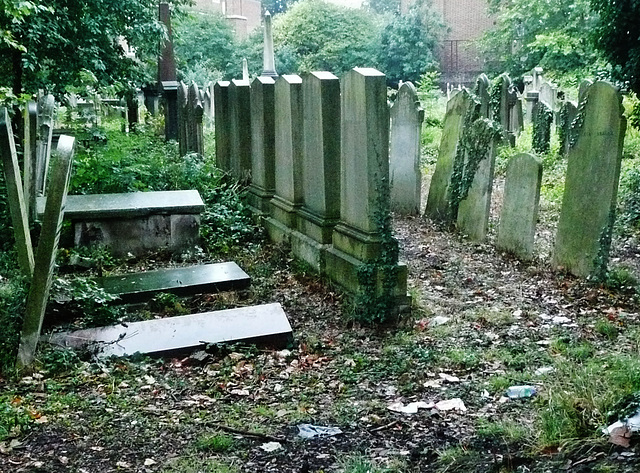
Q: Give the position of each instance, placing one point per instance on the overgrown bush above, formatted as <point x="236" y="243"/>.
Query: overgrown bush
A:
<point x="13" y="293"/>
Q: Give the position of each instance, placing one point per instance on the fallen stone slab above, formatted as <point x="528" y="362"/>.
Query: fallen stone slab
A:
<point x="138" y="287"/>
<point x="262" y="324"/>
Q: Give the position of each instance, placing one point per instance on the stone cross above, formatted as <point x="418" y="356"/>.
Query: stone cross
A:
<point x="586" y="220"/>
<point x="404" y="151"/>
<point x="269" y="63"/>
<point x="46" y="252"/>
<point x="15" y="194"/>
<point x="519" y="213"/>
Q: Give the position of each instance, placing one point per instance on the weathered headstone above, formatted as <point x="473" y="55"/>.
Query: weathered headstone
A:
<point x="516" y="124"/>
<point x="240" y="130"/>
<point x="584" y="231"/>
<point x="30" y="146"/>
<point x="404" y="151"/>
<point x="194" y="116"/>
<point x="566" y="116"/>
<point x="582" y="90"/>
<point x="321" y="168"/>
<point x="15" y="194"/>
<point x="170" y="97"/>
<point x="549" y="95"/>
<point x="364" y="252"/>
<point x="269" y="63"/>
<point x="483" y="94"/>
<point x="476" y="182"/>
<point x="531" y="98"/>
<point x="438" y="201"/>
<point x="47" y="250"/>
<point x="263" y="174"/>
<point x="183" y="118"/>
<point x="288" y="157"/>
<point x="542" y="119"/>
<point x="46" y="111"/>
<point x="519" y="213"/>
<point x="222" y="123"/>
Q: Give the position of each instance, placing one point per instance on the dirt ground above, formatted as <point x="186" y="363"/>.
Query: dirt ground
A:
<point x="173" y="414"/>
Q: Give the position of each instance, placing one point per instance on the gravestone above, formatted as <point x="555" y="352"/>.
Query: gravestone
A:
<point x="222" y="124"/>
<point x="582" y="90"/>
<point x="321" y="168"/>
<point x="30" y="146"/>
<point x="15" y="194"/>
<point x="288" y="157"/>
<point x="364" y="252"/>
<point x="170" y="98"/>
<point x="516" y="124"/>
<point x="475" y="200"/>
<point x="183" y="119"/>
<point x="584" y="231"/>
<point x="566" y="116"/>
<point x="183" y="281"/>
<point x="549" y="95"/>
<point x="46" y="112"/>
<point x="47" y="249"/>
<point x="263" y="174"/>
<point x="261" y="324"/>
<point x="240" y="130"/>
<point x="404" y="151"/>
<point x="438" y="200"/>
<point x="531" y="98"/>
<point x="542" y="119"/>
<point x="194" y="115"/>
<point x="519" y="213"/>
<point x="482" y="93"/>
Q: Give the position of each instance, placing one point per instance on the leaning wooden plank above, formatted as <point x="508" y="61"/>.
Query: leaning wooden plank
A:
<point x="15" y="192"/>
<point x="137" y="287"/>
<point x="46" y="252"/>
<point x="259" y="324"/>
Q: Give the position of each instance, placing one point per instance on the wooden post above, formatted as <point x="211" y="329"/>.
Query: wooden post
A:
<point x="15" y="192"/>
<point x="47" y="249"/>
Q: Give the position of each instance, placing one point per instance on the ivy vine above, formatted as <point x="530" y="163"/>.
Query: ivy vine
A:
<point x="564" y="128"/>
<point x="542" y="118"/>
<point x="601" y="259"/>
<point x="578" y="121"/>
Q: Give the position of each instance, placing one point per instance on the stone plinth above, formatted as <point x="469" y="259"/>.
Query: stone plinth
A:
<point x="321" y="168"/>
<point x="404" y="151"/>
<point x="263" y="140"/>
<point x="520" y="205"/>
<point x="591" y="185"/>
<point x="363" y="238"/>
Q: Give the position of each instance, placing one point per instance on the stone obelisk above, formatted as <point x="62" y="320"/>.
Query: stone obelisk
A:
<point x="269" y="65"/>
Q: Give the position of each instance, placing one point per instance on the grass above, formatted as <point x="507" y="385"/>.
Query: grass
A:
<point x="217" y="443"/>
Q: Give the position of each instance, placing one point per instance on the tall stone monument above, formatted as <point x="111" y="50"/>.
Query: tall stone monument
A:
<point x="222" y="123"/>
<point x="240" y="129"/>
<point x="269" y="62"/>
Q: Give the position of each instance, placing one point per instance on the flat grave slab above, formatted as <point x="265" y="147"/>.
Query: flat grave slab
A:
<point x="137" y="287"/>
<point x="267" y="324"/>
<point x="129" y="205"/>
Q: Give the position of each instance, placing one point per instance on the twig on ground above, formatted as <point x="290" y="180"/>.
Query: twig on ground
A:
<point x="246" y="433"/>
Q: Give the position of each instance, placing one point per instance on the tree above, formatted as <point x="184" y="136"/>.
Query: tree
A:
<point x="552" y="34"/>
<point x="408" y="43"/>
<point x="55" y="43"/>
<point x="616" y="35"/>
<point x="383" y="6"/>
<point x="324" y="36"/>
<point x="205" y="47"/>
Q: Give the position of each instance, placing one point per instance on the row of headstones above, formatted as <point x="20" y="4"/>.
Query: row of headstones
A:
<point x="316" y="154"/>
<point x="36" y="265"/>
<point x="461" y="186"/>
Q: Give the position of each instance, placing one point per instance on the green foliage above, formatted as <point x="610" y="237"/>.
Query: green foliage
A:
<point x="218" y="443"/>
<point x="84" y="299"/>
<point x="205" y="47"/>
<point x="622" y="278"/>
<point x="554" y="35"/>
<point x="13" y="295"/>
<point x="577" y="399"/>
<point x="629" y="215"/>
<point x="14" y="417"/>
<point x="615" y="38"/>
<point x="48" y="45"/>
<point x="57" y="360"/>
<point x="408" y="43"/>
<point x="327" y="37"/>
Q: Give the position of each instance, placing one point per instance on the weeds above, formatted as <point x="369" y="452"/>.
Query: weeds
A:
<point x="217" y="443"/>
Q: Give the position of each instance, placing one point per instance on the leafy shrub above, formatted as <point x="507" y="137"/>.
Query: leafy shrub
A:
<point x="629" y="214"/>
<point x="13" y="295"/>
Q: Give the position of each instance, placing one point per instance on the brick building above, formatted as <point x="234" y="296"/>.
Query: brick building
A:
<point x="467" y="20"/>
<point x="244" y="15"/>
